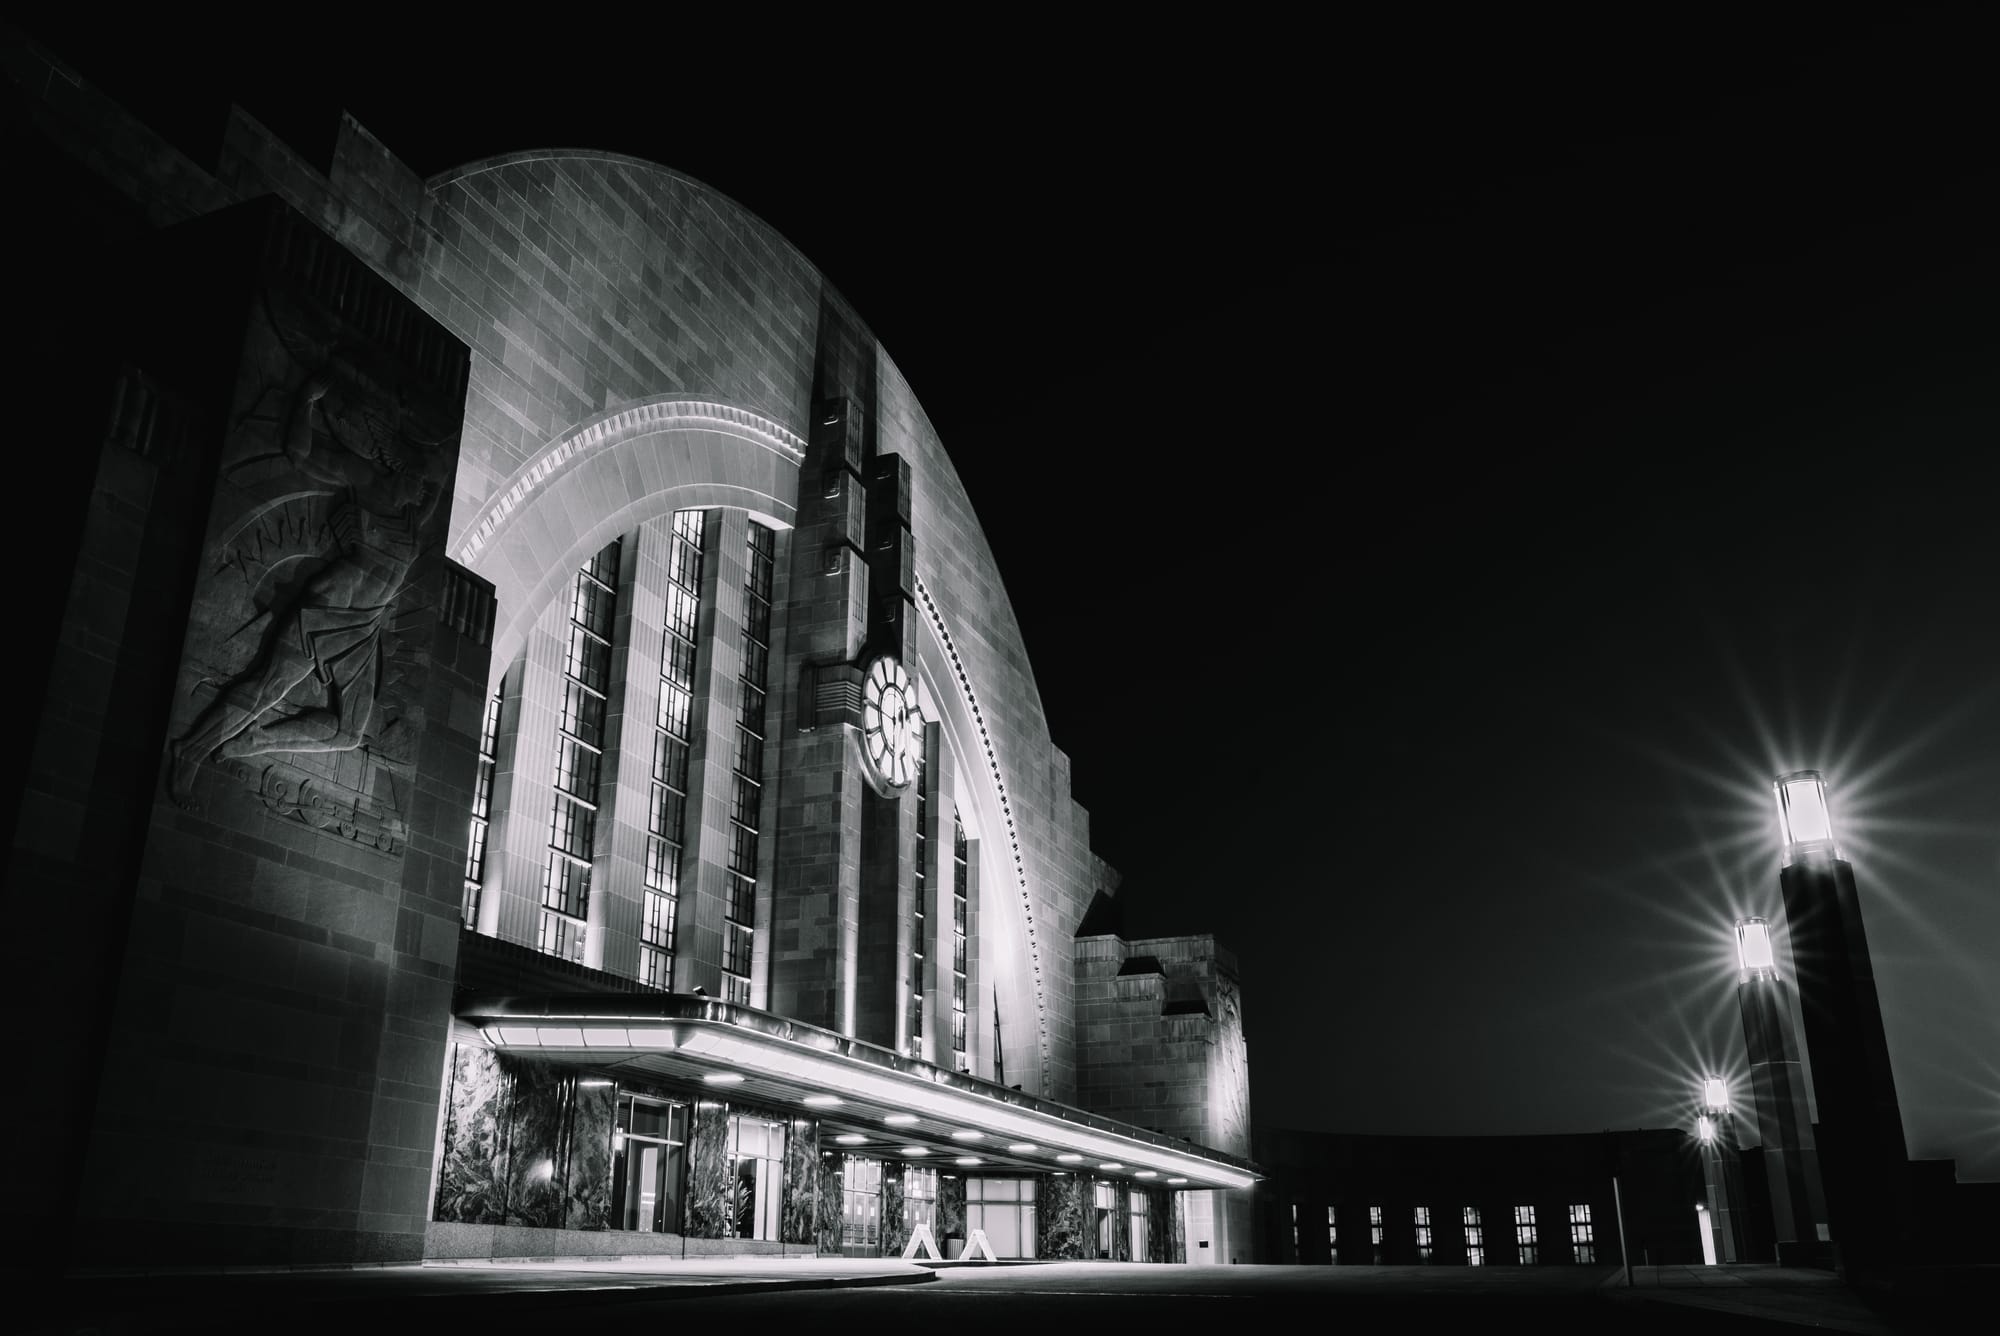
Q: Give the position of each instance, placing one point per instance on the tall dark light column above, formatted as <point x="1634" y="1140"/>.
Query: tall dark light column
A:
<point x="1778" y="1094"/>
<point x="1722" y="1169"/>
<point x="1863" y="1157"/>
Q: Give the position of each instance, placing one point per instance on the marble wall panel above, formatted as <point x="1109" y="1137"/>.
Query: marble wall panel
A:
<point x="1159" y="1224"/>
<point x="1059" y="1217"/>
<point x="826" y="1217"/>
<point x="587" y="1202"/>
<point x="710" y="1182"/>
<point x="472" y="1178"/>
<point x="540" y="1116"/>
<point x="802" y="1183"/>
<point x="951" y="1207"/>
<point x="895" y="1225"/>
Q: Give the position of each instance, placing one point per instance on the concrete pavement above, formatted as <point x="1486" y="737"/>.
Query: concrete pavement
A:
<point x="107" y="1302"/>
<point x="1796" y="1296"/>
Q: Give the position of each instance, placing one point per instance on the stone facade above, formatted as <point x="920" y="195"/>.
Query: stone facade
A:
<point x="344" y="499"/>
<point x="1161" y="1044"/>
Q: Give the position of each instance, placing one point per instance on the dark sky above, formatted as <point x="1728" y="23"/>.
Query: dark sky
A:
<point x="1442" y="473"/>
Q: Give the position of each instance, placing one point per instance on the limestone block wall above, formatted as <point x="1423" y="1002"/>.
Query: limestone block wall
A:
<point x="1162" y="1037"/>
<point x="286" y="973"/>
<point x="589" y="286"/>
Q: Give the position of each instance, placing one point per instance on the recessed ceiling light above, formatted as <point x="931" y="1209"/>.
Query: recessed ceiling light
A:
<point x="968" y="1159"/>
<point x="916" y="1150"/>
<point x="723" y="1078"/>
<point x="1069" y="1157"/>
<point x="967" y="1135"/>
<point x="1145" y="1173"/>
<point x="900" y="1119"/>
<point x="821" y="1101"/>
<point x="850" y="1138"/>
<point x="1021" y="1147"/>
<point x="1177" y="1180"/>
<point x="1111" y="1164"/>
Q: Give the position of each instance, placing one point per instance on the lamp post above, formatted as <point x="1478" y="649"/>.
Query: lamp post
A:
<point x="1778" y="1095"/>
<point x="1721" y="1168"/>
<point x="1862" y="1155"/>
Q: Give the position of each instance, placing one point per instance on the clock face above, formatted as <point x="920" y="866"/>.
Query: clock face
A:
<point x="891" y="725"/>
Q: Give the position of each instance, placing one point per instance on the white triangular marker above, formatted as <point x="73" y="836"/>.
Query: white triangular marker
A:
<point x="921" y="1239"/>
<point x="978" y="1244"/>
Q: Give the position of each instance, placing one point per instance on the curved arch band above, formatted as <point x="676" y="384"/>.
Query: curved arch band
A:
<point x="1006" y="812"/>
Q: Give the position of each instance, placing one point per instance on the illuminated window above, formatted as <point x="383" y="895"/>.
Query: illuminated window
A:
<point x="958" y="915"/>
<point x="861" y="1203"/>
<point x="593" y="608"/>
<point x="482" y="809"/>
<point x="1524" y="1234"/>
<point x="666" y="812"/>
<point x="1475" y="1238"/>
<point x="1582" y="1235"/>
<point x="1332" y="1238"/>
<point x="920" y="1193"/>
<point x="918" y="918"/>
<point x="1423" y="1233"/>
<point x="1375" y="1233"/>
<point x="1005" y="1209"/>
<point x="1135" y="1222"/>
<point x="739" y="930"/>
<point x="1104" y="1206"/>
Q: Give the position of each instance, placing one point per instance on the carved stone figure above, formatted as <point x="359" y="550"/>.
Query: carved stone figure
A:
<point x="314" y="684"/>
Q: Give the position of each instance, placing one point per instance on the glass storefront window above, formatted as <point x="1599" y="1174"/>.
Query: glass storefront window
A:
<point x="1005" y="1209"/>
<point x="861" y="1203"/>
<point x="920" y="1193"/>
<point x="1104" y="1206"/>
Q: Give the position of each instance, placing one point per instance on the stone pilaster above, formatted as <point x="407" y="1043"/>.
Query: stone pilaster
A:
<point x="816" y="878"/>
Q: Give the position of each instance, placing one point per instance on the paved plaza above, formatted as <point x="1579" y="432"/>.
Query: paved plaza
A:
<point x="758" y="1293"/>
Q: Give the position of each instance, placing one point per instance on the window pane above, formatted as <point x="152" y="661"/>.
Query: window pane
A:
<point x="583" y="714"/>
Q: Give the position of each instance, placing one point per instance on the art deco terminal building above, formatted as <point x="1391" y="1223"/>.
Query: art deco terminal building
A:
<point x="528" y="750"/>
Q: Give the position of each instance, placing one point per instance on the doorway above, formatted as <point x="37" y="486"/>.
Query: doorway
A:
<point x="651" y="1147"/>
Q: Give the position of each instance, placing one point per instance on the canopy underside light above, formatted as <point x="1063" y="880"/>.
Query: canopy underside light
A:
<point x="804" y="1066"/>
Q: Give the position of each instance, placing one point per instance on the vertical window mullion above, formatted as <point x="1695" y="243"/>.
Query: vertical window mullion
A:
<point x="673" y="730"/>
<point x="739" y="925"/>
<point x="593" y="608"/>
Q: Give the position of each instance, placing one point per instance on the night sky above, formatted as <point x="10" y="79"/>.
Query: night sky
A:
<point x="1442" y="473"/>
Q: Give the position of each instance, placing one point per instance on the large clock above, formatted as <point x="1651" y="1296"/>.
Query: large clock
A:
<point x="891" y="724"/>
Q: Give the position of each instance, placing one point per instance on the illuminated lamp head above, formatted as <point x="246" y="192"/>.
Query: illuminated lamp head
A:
<point x="1714" y="1095"/>
<point x="1802" y="816"/>
<point x="1753" y="949"/>
<point x="1704" y="1127"/>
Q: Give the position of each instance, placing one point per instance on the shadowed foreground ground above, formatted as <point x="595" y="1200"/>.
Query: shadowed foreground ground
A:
<point x="769" y="1294"/>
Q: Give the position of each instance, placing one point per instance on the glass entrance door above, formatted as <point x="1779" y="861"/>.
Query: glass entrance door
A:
<point x="654" y="1136"/>
<point x="757" y="1148"/>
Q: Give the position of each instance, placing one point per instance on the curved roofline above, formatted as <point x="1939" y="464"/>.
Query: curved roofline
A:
<point x="499" y="160"/>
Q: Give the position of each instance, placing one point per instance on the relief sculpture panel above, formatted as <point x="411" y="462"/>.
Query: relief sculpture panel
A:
<point x="328" y="498"/>
<point x="1229" y="1071"/>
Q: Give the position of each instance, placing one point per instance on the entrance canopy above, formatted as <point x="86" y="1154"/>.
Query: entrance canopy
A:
<point x="868" y="1100"/>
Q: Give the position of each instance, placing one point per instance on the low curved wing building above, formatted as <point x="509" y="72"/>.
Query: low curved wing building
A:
<point x="560" y="771"/>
